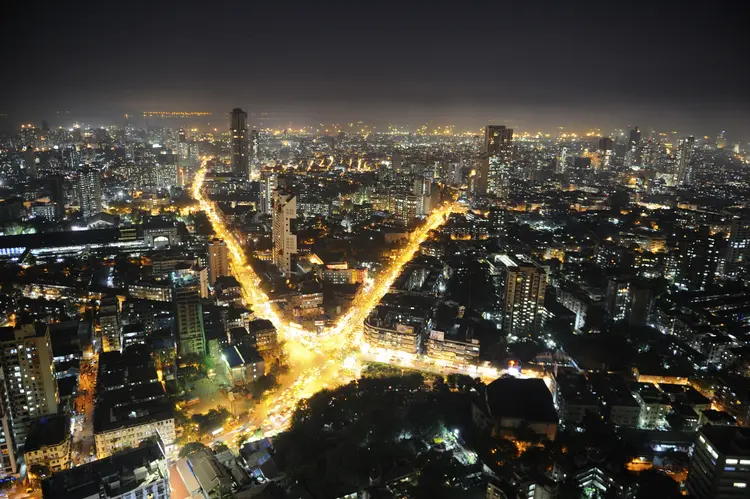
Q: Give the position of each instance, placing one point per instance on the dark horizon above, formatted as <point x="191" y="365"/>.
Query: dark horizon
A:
<point x="675" y="66"/>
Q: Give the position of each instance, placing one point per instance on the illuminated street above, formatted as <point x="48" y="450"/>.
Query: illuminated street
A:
<point x="315" y="360"/>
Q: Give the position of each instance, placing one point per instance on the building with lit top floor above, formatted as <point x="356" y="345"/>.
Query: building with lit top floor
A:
<point x="522" y="283"/>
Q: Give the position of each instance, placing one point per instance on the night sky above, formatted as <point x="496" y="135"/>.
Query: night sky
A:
<point x="681" y="65"/>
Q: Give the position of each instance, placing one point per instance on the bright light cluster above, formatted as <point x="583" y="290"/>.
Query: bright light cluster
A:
<point x="317" y="360"/>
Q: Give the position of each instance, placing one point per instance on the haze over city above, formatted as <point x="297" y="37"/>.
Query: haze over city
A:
<point x="673" y="65"/>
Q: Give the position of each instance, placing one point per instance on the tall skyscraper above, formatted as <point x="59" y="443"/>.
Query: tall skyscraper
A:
<point x="606" y="144"/>
<point x="218" y="260"/>
<point x="560" y="165"/>
<point x="8" y="461"/>
<point x="284" y="213"/>
<point x="90" y="192"/>
<point x="685" y="161"/>
<point x="633" y="154"/>
<point x="254" y="153"/>
<point x="29" y="162"/>
<point x="737" y="259"/>
<point x="265" y="194"/>
<point x="524" y="283"/>
<point x="721" y="140"/>
<point x="109" y="321"/>
<point x="494" y="171"/>
<point x="57" y="195"/>
<point x="28" y="376"/>
<point x="720" y="464"/>
<point x="191" y="336"/>
<point x="238" y="129"/>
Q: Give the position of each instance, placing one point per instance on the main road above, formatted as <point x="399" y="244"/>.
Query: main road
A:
<point x="316" y="360"/>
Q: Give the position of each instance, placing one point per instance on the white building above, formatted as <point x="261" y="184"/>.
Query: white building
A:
<point x="284" y="211"/>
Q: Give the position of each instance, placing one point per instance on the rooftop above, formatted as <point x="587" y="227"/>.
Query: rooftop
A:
<point x="46" y="431"/>
<point x="729" y="440"/>
<point x="527" y="399"/>
<point x="240" y="355"/>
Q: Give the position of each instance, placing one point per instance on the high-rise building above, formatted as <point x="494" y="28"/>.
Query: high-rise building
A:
<point x="238" y="129"/>
<point x="494" y="170"/>
<point x="265" y="194"/>
<point x="29" y="162"/>
<point x="284" y="213"/>
<point x="90" y="192"/>
<point x="618" y="299"/>
<point x="606" y="145"/>
<point x="560" y="164"/>
<point x="685" y="161"/>
<point x="406" y="207"/>
<point x="57" y="195"/>
<point x="28" y="376"/>
<point x="218" y="260"/>
<point x="720" y="464"/>
<point x="523" y="284"/>
<point x="191" y="336"/>
<point x="695" y="261"/>
<point x="165" y="176"/>
<point x="737" y="256"/>
<point x="8" y="461"/>
<point x="254" y="153"/>
<point x="721" y="140"/>
<point x="397" y="161"/>
<point x="109" y="321"/>
<point x="633" y="154"/>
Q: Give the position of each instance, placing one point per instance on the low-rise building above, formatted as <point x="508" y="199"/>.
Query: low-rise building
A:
<point x="48" y="443"/>
<point x="264" y="334"/>
<point x="454" y="348"/>
<point x="134" y="473"/>
<point x="654" y="404"/>
<point x="243" y="362"/>
<point x="340" y="273"/>
<point x="531" y="406"/>
<point x="617" y="403"/>
<point x="573" y="398"/>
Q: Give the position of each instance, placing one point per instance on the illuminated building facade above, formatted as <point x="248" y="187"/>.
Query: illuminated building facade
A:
<point x="254" y="160"/>
<point x="738" y="249"/>
<point x="218" y="260"/>
<point x="524" y="283"/>
<point x="28" y="375"/>
<point x="720" y="464"/>
<point x="461" y="350"/>
<point x="49" y="443"/>
<point x="494" y="171"/>
<point x="685" y="172"/>
<point x="284" y="212"/>
<point x="90" y="192"/>
<point x="109" y="321"/>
